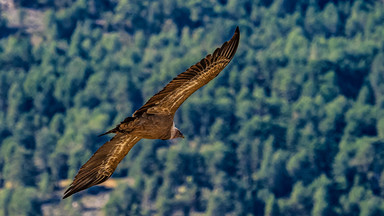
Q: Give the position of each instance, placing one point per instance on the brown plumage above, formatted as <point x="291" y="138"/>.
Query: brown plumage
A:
<point x="154" y="120"/>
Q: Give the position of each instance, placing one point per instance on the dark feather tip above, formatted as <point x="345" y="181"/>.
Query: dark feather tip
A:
<point x="103" y="134"/>
<point x="68" y="193"/>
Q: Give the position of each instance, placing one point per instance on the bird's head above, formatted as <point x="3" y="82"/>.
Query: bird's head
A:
<point x="176" y="133"/>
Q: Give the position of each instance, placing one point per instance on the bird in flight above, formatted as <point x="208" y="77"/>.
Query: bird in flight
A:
<point x="154" y="120"/>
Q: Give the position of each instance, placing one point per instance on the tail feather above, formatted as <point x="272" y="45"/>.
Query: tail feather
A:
<point x="108" y="132"/>
<point x="117" y="128"/>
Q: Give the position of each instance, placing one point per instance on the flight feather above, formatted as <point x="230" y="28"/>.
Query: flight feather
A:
<point x="169" y="99"/>
<point x="102" y="164"/>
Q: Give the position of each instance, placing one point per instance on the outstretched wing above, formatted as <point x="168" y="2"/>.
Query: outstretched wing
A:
<point x="102" y="164"/>
<point x="168" y="100"/>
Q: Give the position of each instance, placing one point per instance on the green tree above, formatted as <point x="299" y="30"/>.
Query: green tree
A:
<point x="125" y="201"/>
<point x="24" y="201"/>
<point x="271" y="208"/>
<point x="376" y="78"/>
<point x="218" y="203"/>
<point x="321" y="198"/>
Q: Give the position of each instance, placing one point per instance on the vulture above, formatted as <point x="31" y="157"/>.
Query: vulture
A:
<point x="154" y="120"/>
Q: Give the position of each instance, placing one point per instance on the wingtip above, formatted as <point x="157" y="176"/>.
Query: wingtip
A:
<point x="68" y="193"/>
<point x="237" y="33"/>
<point x="65" y="196"/>
<point x="72" y="190"/>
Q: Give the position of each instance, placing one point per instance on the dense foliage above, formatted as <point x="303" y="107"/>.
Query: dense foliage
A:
<point x="293" y="126"/>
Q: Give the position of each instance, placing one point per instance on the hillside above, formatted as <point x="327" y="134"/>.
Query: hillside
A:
<point x="293" y="126"/>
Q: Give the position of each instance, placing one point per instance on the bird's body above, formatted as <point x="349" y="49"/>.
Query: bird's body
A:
<point x="154" y="126"/>
<point x="147" y="126"/>
<point x="154" y="120"/>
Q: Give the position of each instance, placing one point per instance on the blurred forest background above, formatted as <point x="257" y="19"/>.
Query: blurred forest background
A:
<point x="293" y="126"/>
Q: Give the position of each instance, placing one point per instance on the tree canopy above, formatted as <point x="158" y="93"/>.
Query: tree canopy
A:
<point x="293" y="126"/>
